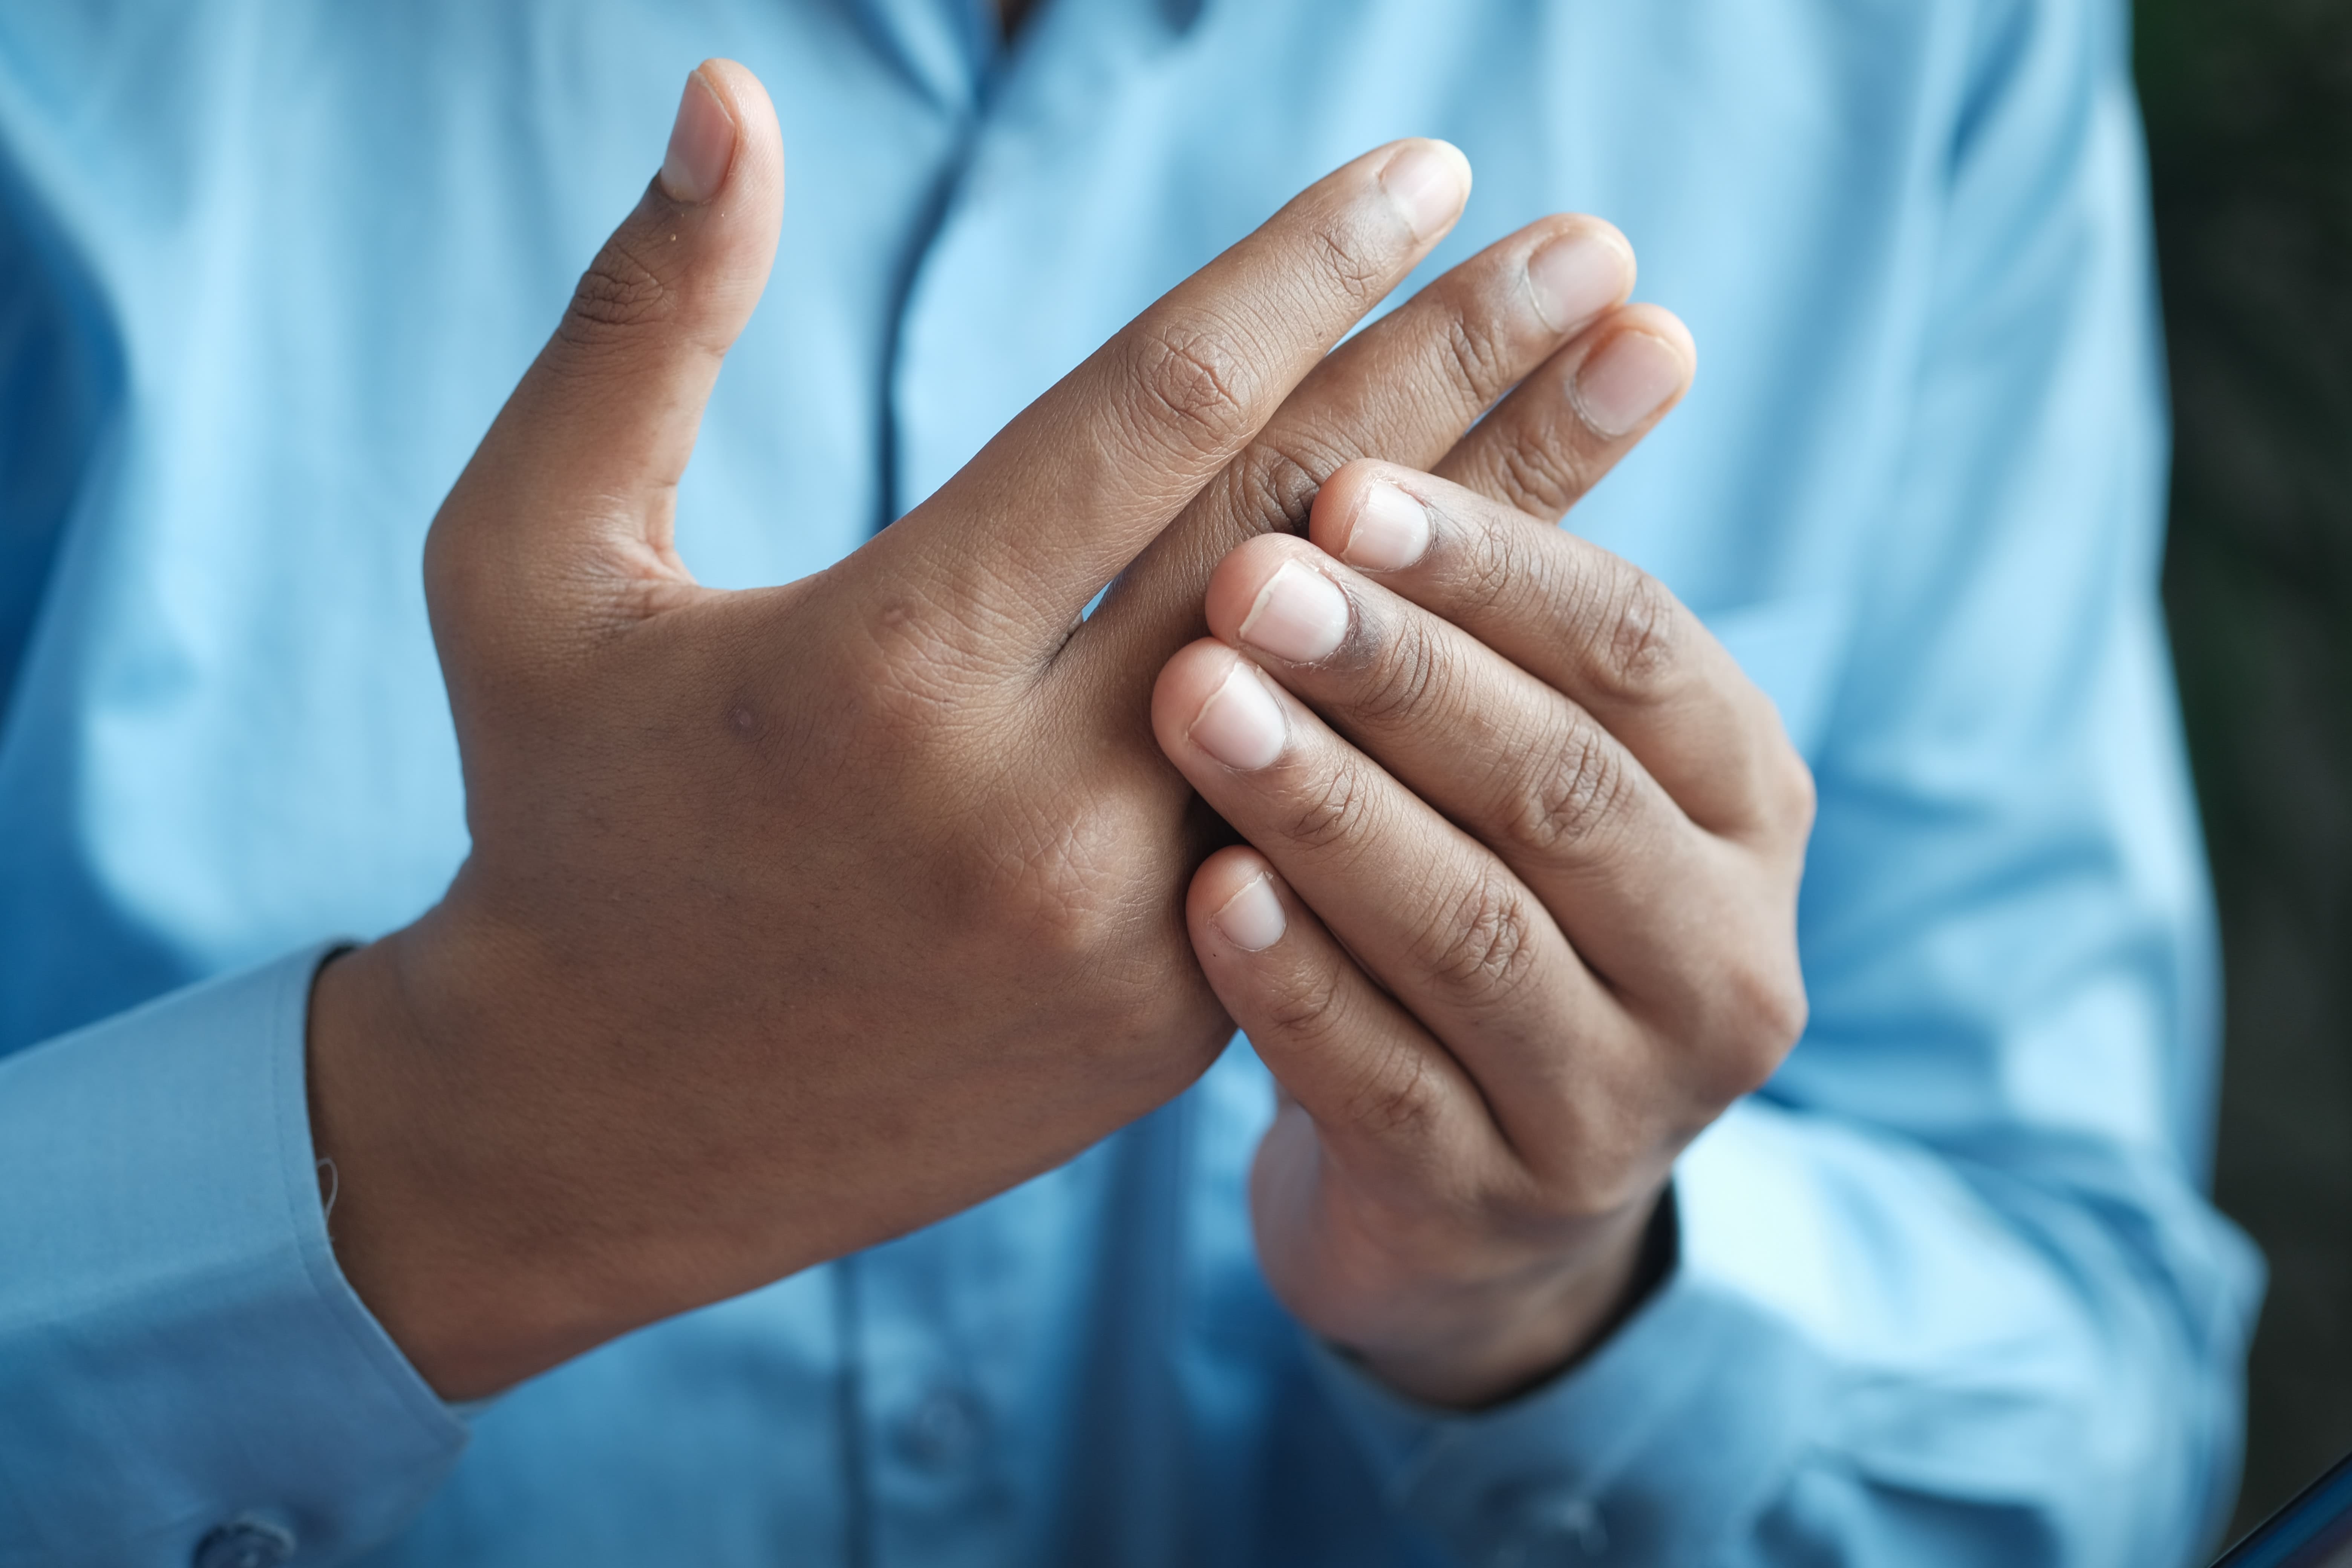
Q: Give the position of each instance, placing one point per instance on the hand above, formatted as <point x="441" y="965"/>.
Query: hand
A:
<point x="799" y="917"/>
<point x="1516" y="918"/>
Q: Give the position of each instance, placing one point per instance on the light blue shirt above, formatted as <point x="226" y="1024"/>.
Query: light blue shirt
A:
<point x="1947" y="1291"/>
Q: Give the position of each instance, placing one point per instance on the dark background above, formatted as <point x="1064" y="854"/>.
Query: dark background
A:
<point x="2249" y="106"/>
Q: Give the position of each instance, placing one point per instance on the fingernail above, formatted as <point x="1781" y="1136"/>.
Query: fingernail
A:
<point x="1429" y="181"/>
<point x="701" y="145"/>
<point x="1626" y="381"/>
<point x="1391" y="530"/>
<point x="1252" y="918"/>
<point x="1300" y="615"/>
<point x="1240" y="724"/>
<point x="1577" y="277"/>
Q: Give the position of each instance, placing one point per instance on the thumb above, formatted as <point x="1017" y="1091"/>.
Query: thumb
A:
<point x="572" y="495"/>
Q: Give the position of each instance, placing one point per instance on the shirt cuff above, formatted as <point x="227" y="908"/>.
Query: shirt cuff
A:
<point x="179" y="1353"/>
<point x="1658" y="1448"/>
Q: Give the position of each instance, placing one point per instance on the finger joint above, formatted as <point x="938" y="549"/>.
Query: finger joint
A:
<point x="1761" y="1013"/>
<point x="1331" y="811"/>
<point x="1540" y="477"/>
<point x="1406" y="676"/>
<point x="1398" y="1096"/>
<point x="1190" y="383"/>
<point x="1580" y="789"/>
<point x="1485" y="950"/>
<point x="619" y="294"/>
<point x="1634" y="649"/>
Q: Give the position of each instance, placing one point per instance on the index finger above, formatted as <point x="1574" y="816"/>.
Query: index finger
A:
<point x="1069" y="493"/>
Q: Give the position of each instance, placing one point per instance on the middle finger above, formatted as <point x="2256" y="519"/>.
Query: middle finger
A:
<point x="1404" y="389"/>
<point x="1587" y="624"/>
<point x="1643" y="893"/>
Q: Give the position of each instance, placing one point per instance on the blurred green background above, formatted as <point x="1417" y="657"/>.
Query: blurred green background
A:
<point x="2249" y="106"/>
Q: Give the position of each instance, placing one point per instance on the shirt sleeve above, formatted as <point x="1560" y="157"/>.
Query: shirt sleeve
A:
<point x="181" y="1361"/>
<point x="1948" y="1290"/>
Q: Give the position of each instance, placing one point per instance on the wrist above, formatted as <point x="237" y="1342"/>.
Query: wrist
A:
<point x="1506" y="1338"/>
<point x="451" y="1234"/>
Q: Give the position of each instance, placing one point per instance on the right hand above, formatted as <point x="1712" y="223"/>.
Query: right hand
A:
<point x="799" y="917"/>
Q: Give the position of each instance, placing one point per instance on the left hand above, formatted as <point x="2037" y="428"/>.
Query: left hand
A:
<point x="1515" y="918"/>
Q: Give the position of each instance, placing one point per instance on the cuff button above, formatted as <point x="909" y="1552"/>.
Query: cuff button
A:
<point x="243" y="1543"/>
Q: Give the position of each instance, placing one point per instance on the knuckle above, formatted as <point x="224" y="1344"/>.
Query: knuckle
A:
<point x="1332" y="810"/>
<point x="1763" y="1011"/>
<point x="1582" y="789"/>
<point x="1351" y="261"/>
<point x="1493" y="571"/>
<point x="1540" y="477"/>
<point x="1632" y="650"/>
<point x="1064" y="889"/>
<point x="1798" y="795"/>
<point x="1190" y="383"/>
<point x="1482" y="948"/>
<point x="1575" y="1188"/>
<point x="1406" y="672"/>
<point x="619" y="295"/>
<point x="1477" y="364"/>
<point x="1276" y="484"/>
<point x="1309" y="1012"/>
<point x="1398" y="1097"/>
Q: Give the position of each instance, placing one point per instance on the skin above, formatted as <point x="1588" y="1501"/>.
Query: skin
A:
<point x="798" y="918"/>
<point x="1602" y="827"/>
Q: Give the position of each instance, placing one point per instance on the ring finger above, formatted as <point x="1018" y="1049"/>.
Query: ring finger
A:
<point x="1646" y="898"/>
<point x="1587" y="624"/>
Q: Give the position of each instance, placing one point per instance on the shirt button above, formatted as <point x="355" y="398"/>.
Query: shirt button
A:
<point x="943" y="1430"/>
<point x="244" y="1543"/>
